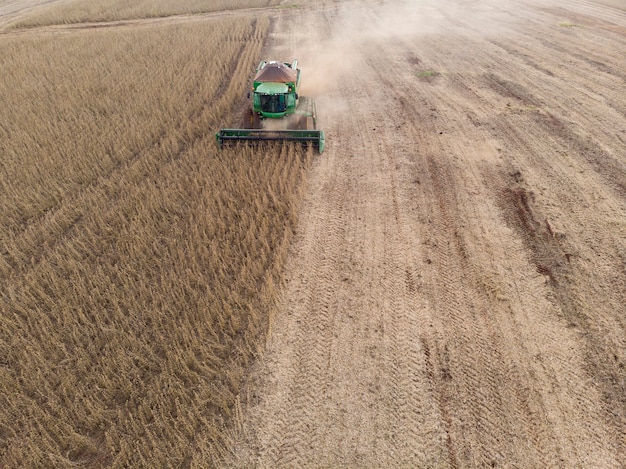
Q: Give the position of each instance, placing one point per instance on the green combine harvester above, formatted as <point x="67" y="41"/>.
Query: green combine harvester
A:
<point x="275" y="99"/>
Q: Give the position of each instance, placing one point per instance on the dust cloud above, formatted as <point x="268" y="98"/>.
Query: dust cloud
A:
<point x="331" y="52"/>
<point x="273" y="124"/>
<point x="334" y="52"/>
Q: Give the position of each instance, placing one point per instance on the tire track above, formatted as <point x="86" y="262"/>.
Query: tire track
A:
<point x="449" y="349"/>
<point x="381" y="315"/>
<point x="453" y="268"/>
<point x="502" y="129"/>
<point x="540" y="439"/>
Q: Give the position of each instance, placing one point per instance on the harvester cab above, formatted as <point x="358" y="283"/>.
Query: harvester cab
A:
<point x="271" y="99"/>
<point x="275" y="97"/>
<point x="275" y="86"/>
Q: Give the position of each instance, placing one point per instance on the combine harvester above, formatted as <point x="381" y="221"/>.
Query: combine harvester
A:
<point x="275" y="103"/>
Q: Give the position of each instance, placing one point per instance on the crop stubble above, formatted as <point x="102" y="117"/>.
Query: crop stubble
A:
<point x="457" y="287"/>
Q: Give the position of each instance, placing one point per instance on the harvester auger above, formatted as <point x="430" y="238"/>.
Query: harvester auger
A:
<point x="275" y="97"/>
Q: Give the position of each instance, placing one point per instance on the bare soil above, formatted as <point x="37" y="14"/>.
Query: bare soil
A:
<point x="456" y="293"/>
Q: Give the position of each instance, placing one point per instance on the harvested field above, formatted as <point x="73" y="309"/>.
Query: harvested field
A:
<point x="454" y="292"/>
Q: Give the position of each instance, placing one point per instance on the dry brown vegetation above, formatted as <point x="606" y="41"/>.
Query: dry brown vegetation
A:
<point x="79" y="11"/>
<point x="137" y="261"/>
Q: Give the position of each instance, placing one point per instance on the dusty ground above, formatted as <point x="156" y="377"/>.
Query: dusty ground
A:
<point x="456" y="292"/>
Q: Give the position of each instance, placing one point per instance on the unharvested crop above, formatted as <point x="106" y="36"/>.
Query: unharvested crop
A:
<point x="79" y="11"/>
<point x="138" y="263"/>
